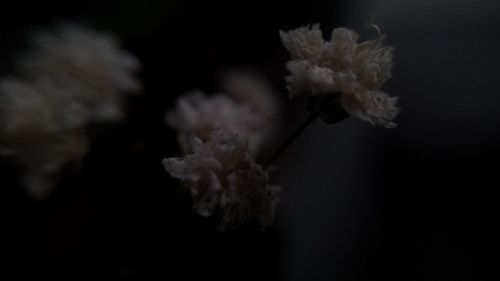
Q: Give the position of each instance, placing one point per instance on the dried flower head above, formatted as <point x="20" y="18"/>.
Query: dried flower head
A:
<point x="70" y="78"/>
<point x="88" y="64"/>
<point x="247" y="109"/>
<point x="341" y="71"/>
<point x="45" y="133"/>
<point x="224" y="181"/>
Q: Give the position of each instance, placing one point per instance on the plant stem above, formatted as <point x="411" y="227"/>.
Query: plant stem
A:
<point x="313" y="116"/>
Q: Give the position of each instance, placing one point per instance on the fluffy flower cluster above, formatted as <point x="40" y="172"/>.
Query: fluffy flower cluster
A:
<point x="323" y="70"/>
<point x="87" y="66"/>
<point x="220" y="134"/>
<point x="247" y="109"/>
<point x="43" y="132"/>
<point x="70" y="78"/>
<point x="224" y="181"/>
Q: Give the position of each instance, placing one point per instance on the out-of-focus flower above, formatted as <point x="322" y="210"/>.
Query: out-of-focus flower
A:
<point x="88" y="65"/>
<point x="69" y="79"/>
<point x="224" y="181"/>
<point x="254" y="92"/>
<point x="247" y="109"/>
<point x="45" y="133"/>
<point x="340" y="74"/>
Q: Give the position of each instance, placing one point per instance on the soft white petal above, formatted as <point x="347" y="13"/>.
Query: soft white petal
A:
<point x="357" y="70"/>
<point x="235" y="191"/>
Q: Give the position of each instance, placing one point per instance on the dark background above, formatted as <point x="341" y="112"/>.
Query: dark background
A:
<point x="359" y="203"/>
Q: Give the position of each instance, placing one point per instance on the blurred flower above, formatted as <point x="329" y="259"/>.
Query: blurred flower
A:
<point x="254" y="92"/>
<point x="248" y="110"/>
<point x="70" y="79"/>
<point x="340" y="74"/>
<point x="43" y="132"/>
<point x="224" y="181"/>
<point x="88" y="65"/>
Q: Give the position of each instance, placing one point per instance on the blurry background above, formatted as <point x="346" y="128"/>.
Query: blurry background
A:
<point x="360" y="203"/>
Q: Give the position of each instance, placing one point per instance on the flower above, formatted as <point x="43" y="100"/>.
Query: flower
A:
<point x="247" y="108"/>
<point x="45" y="133"/>
<point x="254" y="92"/>
<point x="72" y="77"/>
<point x="340" y="74"/>
<point x="224" y="181"/>
<point x="88" y="64"/>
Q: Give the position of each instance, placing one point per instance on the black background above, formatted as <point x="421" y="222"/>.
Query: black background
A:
<point x="359" y="203"/>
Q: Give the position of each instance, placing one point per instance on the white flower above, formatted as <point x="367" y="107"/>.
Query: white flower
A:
<point x="224" y="181"/>
<point x="342" y="68"/>
<point x="248" y="109"/>
<point x="254" y="92"/>
<point x="309" y="78"/>
<point x="89" y="65"/>
<point x="304" y="42"/>
<point x="45" y="133"/>
<point x="72" y="77"/>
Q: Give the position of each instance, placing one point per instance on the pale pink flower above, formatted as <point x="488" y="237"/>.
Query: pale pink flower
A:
<point x="247" y="108"/>
<point x="341" y="68"/>
<point x="88" y="65"/>
<point x="45" y="133"/>
<point x="70" y="78"/>
<point x="224" y="181"/>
